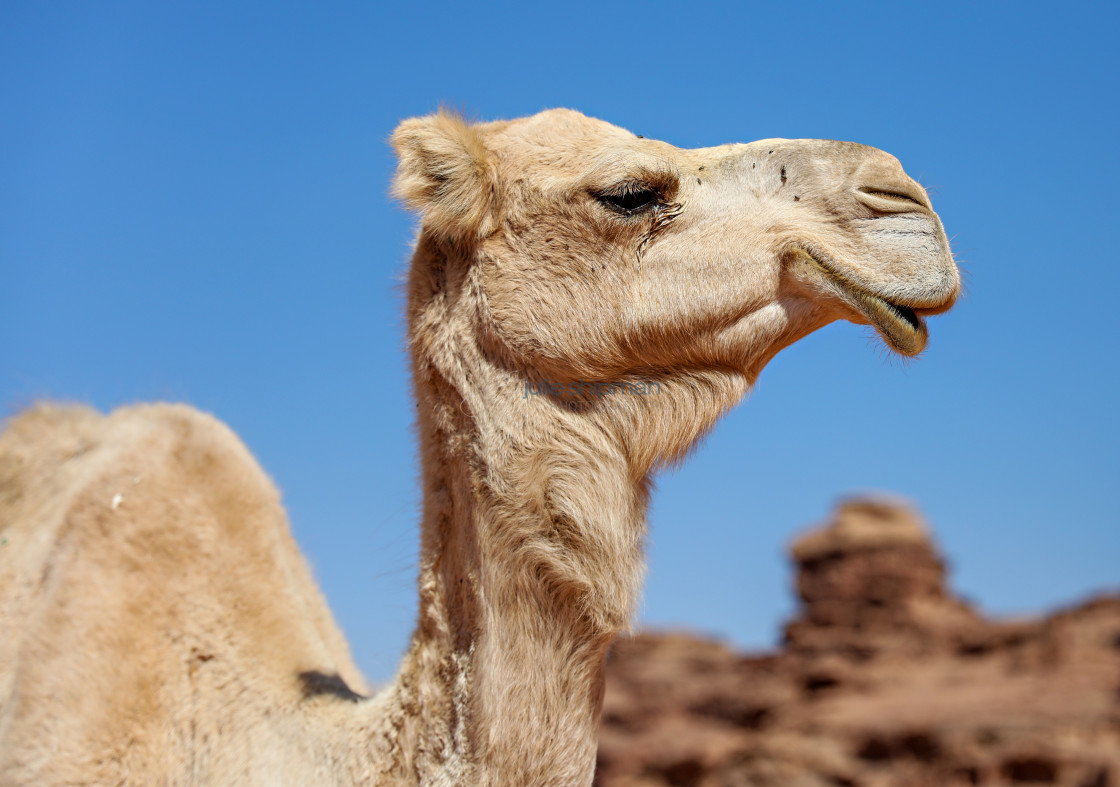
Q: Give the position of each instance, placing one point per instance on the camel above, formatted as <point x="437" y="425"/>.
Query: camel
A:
<point x="583" y="305"/>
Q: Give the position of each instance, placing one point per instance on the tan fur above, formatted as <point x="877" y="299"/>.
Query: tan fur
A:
<point x="159" y="624"/>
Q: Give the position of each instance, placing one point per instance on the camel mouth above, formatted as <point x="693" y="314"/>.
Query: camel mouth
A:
<point x="900" y="326"/>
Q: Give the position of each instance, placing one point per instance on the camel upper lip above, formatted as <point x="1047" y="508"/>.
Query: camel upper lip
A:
<point x="901" y="327"/>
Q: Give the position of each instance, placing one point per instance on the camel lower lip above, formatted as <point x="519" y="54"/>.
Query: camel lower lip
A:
<point x="901" y="328"/>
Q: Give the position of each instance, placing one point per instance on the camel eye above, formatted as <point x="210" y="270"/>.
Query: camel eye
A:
<point x="630" y="198"/>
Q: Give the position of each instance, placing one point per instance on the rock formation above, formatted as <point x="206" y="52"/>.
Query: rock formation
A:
<point x="885" y="679"/>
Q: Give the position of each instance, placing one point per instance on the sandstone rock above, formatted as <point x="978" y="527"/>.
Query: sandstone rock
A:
<point x="885" y="678"/>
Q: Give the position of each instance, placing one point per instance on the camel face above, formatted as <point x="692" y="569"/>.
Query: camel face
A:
<point x="601" y="253"/>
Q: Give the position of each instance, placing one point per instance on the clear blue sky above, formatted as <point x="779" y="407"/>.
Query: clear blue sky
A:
<point x="193" y="206"/>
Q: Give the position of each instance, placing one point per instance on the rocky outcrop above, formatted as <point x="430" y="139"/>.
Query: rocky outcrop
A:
<point x="885" y="679"/>
<point x="871" y="583"/>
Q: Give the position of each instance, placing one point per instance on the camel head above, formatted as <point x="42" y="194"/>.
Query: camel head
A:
<point x="601" y="253"/>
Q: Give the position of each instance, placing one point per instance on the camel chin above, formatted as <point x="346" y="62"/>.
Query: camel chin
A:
<point x="899" y="278"/>
<point x="899" y="325"/>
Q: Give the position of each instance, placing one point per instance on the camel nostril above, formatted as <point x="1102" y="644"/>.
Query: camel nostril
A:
<point x="895" y="198"/>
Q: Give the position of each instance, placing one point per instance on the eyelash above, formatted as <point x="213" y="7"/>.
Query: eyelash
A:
<point x="630" y="199"/>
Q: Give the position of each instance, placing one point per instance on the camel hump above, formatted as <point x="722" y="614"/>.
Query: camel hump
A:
<point x="147" y="536"/>
<point x="147" y="482"/>
<point x="62" y="462"/>
<point x="147" y="490"/>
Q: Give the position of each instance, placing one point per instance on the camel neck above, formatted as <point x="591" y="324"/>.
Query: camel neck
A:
<point x="530" y="564"/>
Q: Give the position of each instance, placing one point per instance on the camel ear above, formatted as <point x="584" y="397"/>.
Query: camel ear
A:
<point x="444" y="172"/>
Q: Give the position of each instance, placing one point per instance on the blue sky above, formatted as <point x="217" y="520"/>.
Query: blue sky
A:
<point x="194" y="206"/>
